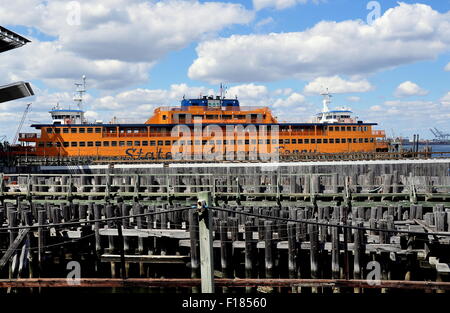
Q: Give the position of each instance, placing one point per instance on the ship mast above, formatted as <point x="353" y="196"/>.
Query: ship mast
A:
<point x="326" y="101"/>
<point x="80" y="91"/>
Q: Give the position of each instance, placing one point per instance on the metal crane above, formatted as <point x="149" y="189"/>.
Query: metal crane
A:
<point x="439" y="134"/>
<point x="24" y="115"/>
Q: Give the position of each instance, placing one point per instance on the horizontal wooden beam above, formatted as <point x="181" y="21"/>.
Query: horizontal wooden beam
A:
<point x="220" y="282"/>
<point x="154" y="259"/>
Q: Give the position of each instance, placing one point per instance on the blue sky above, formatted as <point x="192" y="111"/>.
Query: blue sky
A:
<point x="139" y="55"/>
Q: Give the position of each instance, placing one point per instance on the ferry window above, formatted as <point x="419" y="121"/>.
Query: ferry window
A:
<point x="313" y="141"/>
<point x="58" y="144"/>
<point x="90" y="130"/>
<point x="145" y="143"/>
<point x="129" y="143"/>
<point x="349" y="128"/>
<point x="137" y="143"/>
<point x="121" y="143"/>
<point x="41" y="145"/>
<point x="248" y="141"/>
<point x="280" y="141"/>
<point x="90" y="144"/>
<point x="267" y="141"/>
<point x="300" y="141"/>
<point x="74" y="144"/>
<point x="73" y="130"/>
<point x="113" y="143"/>
<point x="287" y="141"/>
<point x="231" y="142"/>
<point x="65" y="144"/>
<point x="260" y="141"/>
<point x="366" y="140"/>
<point x="196" y="142"/>
<point x="219" y="142"/>
<point x="57" y="130"/>
<point x="338" y="140"/>
<point x="253" y="141"/>
<point x="343" y="140"/>
<point x="160" y="142"/>
<point x="349" y="140"/>
<point x="294" y="141"/>
<point x="98" y="130"/>
<point x="164" y="117"/>
<point x="105" y="143"/>
<point x="331" y="140"/>
<point x="65" y="130"/>
<point x="82" y="130"/>
<point x="359" y="129"/>
<point x="365" y="128"/>
<point x="343" y="128"/>
<point x="354" y="128"/>
<point x="168" y="142"/>
<point x="306" y="140"/>
<point x="49" y="130"/>
<point x="336" y="128"/>
<point x="319" y="140"/>
<point x="98" y="143"/>
<point x="360" y="140"/>
<point x="204" y="142"/>
<point x="371" y="139"/>
<point x="240" y="142"/>
<point x="189" y="142"/>
<point x="354" y="140"/>
<point x="331" y="128"/>
<point x="274" y="141"/>
<point x="153" y="143"/>
<point x="325" y="141"/>
<point x="49" y="144"/>
<point x="82" y="144"/>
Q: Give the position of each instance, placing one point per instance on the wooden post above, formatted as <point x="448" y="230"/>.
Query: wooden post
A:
<point x="225" y="252"/>
<point x="268" y="248"/>
<point x="41" y="239"/>
<point x="359" y="252"/>
<point x="206" y="241"/>
<point x="292" y="252"/>
<point x="314" y="252"/>
<point x="194" y="236"/>
<point x="250" y="246"/>
<point x="335" y="253"/>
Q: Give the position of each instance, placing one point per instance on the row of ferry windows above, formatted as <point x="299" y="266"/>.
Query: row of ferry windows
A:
<point x="97" y="130"/>
<point x="203" y="142"/>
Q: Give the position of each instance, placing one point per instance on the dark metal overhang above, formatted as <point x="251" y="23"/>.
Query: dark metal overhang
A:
<point x="10" y="40"/>
<point x="15" y="91"/>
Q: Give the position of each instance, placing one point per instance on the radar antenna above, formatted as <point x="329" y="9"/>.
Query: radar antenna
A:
<point x="80" y="91"/>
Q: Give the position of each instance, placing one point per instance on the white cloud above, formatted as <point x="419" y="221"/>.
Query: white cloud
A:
<point x="116" y="42"/>
<point x="447" y="68"/>
<point x="408" y="88"/>
<point x="405" y="34"/>
<point x="354" y="99"/>
<point x="376" y="108"/>
<point x="336" y="84"/>
<point x="445" y="100"/>
<point x="293" y="100"/>
<point x="247" y="91"/>
<point x="279" y="4"/>
<point x="264" y="22"/>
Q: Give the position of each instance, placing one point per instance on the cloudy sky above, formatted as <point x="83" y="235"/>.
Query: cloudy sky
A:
<point x="387" y="60"/>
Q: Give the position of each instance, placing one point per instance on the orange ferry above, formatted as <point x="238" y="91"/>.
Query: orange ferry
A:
<point x="332" y="131"/>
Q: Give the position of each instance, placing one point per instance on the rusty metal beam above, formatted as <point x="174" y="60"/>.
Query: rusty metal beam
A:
<point x="221" y="282"/>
